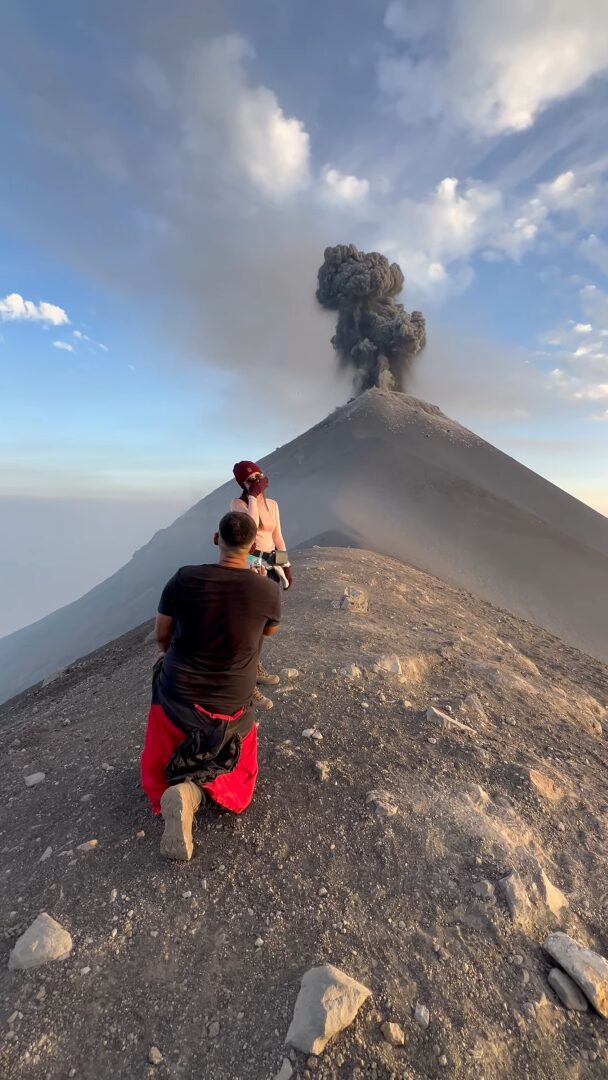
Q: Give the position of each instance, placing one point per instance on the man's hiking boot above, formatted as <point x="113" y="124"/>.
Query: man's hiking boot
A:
<point x="265" y="678"/>
<point x="261" y="702"/>
<point x="178" y="805"/>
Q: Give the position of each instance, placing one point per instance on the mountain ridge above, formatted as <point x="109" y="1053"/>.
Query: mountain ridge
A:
<point x="395" y="475"/>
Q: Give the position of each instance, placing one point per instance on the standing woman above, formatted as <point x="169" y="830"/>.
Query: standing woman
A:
<point x="269" y="539"/>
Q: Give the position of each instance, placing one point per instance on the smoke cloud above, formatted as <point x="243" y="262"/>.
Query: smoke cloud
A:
<point x="376" y="338"/>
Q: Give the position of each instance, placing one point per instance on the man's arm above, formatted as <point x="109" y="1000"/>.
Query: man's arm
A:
<point x="163" y="631"/>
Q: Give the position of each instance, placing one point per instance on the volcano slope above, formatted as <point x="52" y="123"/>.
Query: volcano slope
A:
<point x="164" y="953"/>
<point x="391" y="474"/>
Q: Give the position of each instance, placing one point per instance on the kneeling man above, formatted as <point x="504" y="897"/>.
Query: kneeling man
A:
<point x="201" y="738"/>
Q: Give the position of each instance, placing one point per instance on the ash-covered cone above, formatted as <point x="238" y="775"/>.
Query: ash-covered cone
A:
<point x="375" y="336"/>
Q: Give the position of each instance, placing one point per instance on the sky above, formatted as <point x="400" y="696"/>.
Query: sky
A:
<point x="169" y="178"/>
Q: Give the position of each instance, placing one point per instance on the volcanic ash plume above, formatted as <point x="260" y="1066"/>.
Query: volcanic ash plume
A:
<point x="375" y="336"/>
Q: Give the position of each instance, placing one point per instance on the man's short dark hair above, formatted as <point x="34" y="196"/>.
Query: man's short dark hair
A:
<point x="238" y="530"/>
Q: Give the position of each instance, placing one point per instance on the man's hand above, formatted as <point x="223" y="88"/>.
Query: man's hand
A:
<point x="288" y="575"/>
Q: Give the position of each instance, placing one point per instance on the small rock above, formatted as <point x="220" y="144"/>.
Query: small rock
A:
<point x="154" y="1055"/>
<point x="259" y="941"/>
<point x="322" y="891"/>
<point x="214" y="1029"/>
<point x="327" y="1003"/>
<point x="323" y="770"/>
<point x="518" y="903"/>
<point x="86" y="798"/>
<point x="43" y="941"/>
<point x="85" y="971"/>
<point x="382" y="802"/>
<point x="528" y="1010"/>
<point x="588" y="969"/>
<point x="442" y="1060"/>
<point x="422" y="1015"/>
<point x="389" y="664"/>
<point x="351" y="672"/>
<point x="52" y="678"/>
<point x="472" y="708"/>
<point x="290" y="673"/>
<point x="432" y="740"/>
<point x="478" y="796"/>
<point x="567" y="990"/>
<point x="545" y="786"/>
<point x="484" y="889"/>
<point x="286" y="1070"/>
<point x="106" y="767"/>
<point x="88" y="845"/>
<point x="354" y="599"/>
<point x="187" y="894"/>
<point x="548" y="894"/>
<point x="393" y="1033"/>
<point x="46" y="854"/>
<point x="437" y="716"/>
<point x="140" y="835"/>
<point x="34" y="778"/>
<point x="312" y="733"/>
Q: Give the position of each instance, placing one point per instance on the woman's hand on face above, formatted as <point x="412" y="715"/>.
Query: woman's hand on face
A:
<point x="254" y="487"/>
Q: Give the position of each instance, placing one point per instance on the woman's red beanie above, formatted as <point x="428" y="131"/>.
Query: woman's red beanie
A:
<point x="243" y="470"/>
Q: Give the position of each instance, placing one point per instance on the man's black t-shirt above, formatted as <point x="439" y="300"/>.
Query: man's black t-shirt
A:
<point x="220" y="615"/>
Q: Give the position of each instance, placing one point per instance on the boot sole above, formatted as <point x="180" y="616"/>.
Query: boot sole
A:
<point x="176" y="842"/>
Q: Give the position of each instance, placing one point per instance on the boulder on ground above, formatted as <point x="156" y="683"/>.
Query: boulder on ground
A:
<point x="34" y="779"/>
<point x="545" y="786"/>
<point x="512" y="889"/>
<point x="393" y="1033"/>
<point x="567" y="991"/>
<point x="53" y="677"/>
<point x="383" y="802"/>
<point x="472" y="709"/>
<point x="351" y="672"/>
<point x="548" y="894"/>
<point x="43" y="941"/>
<point x="588" y="969"/>
<point x="354" y="599"/>
<point x="389" y="664"/>
<point x="445" y="721"/>
<point x="327" y="1003"/>
<point x="286" y="1070"/>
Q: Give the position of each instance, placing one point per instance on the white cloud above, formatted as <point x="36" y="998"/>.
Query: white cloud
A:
<point x="64" y="345"/>
<point x="14" y="308"/>
<point x="342" y="187"/>
<point x="582" y="374"/>
<point x="104" y="348"/>
<point x="80" y="336"/>
<point x="596" y="251"/>
<point x="269" y="149"/>
<point x="491" y="67"/>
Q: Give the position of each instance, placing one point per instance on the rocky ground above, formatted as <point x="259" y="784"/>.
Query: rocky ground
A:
<point x="400" y="889"/>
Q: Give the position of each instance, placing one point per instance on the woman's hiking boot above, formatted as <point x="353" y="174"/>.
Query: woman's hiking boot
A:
<point x="261" y="702"/>
<point x="265" y="678"/>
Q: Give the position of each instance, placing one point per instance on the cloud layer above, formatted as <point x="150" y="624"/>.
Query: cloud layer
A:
<point x="494" y="67"/>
